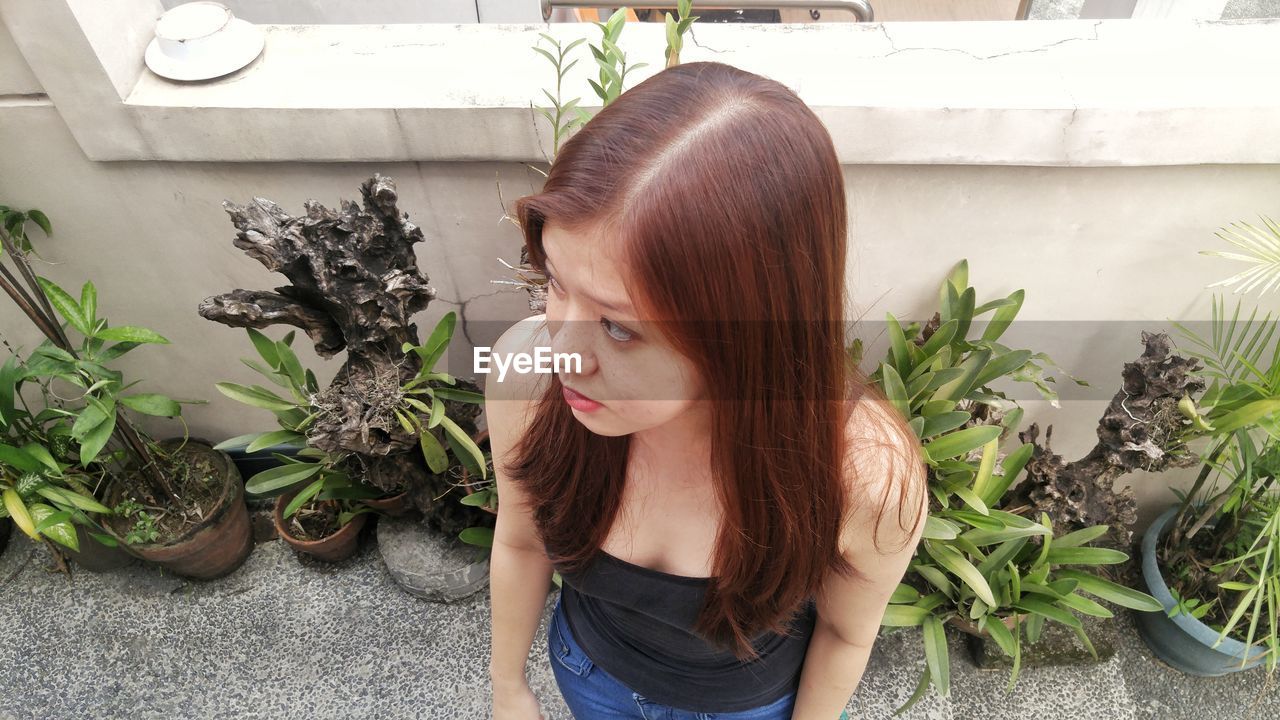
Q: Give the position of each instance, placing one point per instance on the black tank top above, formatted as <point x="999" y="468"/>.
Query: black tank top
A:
<point x="637" y="624"/>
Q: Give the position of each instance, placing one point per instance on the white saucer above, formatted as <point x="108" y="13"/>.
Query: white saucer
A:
<point x="246" y="42"/>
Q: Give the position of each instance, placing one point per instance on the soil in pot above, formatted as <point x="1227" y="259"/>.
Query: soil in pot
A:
<point x="314" y="530"/>
<point x="1183" y="641"/>
<point x="6" y="527"/>
<point x="206" y="537"/>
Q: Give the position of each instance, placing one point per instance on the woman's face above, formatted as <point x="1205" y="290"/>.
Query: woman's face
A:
<point x="639" y="382"/>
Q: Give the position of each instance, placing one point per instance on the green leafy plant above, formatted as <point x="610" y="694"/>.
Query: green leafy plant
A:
<point x="14" y="222"/>
<point x="318" y="476"/>
<point x="89" y="427"/>
<point x="144" y="526"/>
<point x="1223" y="542"/>
<point x="984" y="569"/>
<point x="319" y="480"/>
<point x="1188" y="606"/>
<point x="676" y="29"/>
<point x="294" y="413"/>
<point x="611" y="59"/>
<point x="484" y="493"/>
<point x="568" y="115"/>
<point x="425" y="387"/>
<point x="418" y="405"/>
<point x="1261" y="250"/>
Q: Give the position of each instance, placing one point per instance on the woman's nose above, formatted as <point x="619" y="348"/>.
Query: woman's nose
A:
<point x="573" y="336"/>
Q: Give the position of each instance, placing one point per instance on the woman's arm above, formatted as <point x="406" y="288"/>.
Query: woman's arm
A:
<point x="519" y="570"/>
<point x="832" y="670"/>
<point x="518" y="583"/>
<point x="849" y="611"/>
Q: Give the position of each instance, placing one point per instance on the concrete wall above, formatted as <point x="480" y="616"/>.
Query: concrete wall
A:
<point x="1102" y="251"/>
<point x="382" y="11"/>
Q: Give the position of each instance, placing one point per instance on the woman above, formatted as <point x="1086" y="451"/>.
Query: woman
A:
<point x="728" y="501"/>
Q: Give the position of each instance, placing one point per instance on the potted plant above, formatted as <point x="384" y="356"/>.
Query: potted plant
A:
<point x="423" y="395"/>
<point x="355" y="286"/>
<point x="566" y="116"/>
<point x="319" y="510"/>
<point x="190" y="515"/>
<point x="1211" y="558"/>
<point x="49" y="496"/>
<point x="980" y="568"/>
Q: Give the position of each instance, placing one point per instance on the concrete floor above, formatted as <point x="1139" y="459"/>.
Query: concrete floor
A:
<point x="285" y="638"/>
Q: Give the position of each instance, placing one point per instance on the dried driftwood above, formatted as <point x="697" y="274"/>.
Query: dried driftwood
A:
<point x="354" y="285"/>
<point x="1139" y="430"/>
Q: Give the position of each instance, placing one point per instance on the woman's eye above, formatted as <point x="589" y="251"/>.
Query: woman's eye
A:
<point x="610" y="327"/>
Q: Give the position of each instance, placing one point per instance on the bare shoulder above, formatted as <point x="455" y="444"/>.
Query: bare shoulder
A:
<point x="886" y="476"/>
<point x="521" y="338"/>
<point x="508" y="412"/>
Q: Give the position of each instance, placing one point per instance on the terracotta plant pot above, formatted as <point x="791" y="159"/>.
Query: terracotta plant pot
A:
<point x="94" y="556"/>
<point x="1183" y="641"/>
<point x="338" y="546"/>
<point x="482" y="441"/>
<point x="392" y="505"/>
<point x="216" y="546"/>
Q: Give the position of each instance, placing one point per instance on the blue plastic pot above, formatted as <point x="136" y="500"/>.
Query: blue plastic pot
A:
<point x="1183" y="641"/>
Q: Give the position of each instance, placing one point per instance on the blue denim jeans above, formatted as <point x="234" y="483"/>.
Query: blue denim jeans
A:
<point x="593" y="694"/>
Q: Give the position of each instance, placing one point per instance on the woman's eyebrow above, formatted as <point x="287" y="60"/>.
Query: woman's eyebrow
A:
<point x="615" y="308"/>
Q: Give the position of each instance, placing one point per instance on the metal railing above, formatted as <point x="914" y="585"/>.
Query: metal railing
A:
<point x="861" y="9"/>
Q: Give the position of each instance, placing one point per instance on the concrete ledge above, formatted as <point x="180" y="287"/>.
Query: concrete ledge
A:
<point x="1053" y="93"/>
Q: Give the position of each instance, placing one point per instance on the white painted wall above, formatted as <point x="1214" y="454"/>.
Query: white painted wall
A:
<point x="377" y="12"/>
<point x="1111" y="248"/>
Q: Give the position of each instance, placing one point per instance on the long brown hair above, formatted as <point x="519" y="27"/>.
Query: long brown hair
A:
<point x="726" y="186"/>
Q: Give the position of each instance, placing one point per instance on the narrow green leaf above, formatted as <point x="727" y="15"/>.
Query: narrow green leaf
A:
<point x="894" y="390"/>
<point x="433" y="452"/>
<point x="304" y="495"/>
<point x="1040" y="607"/>
<point x="1111" y="592"/>
<point x="266" y="348"/>
<point x="903" y="616"/>
<point x="961" y="441"/>
<point x="944" y="422"/>
<point x="66" y="305"/>
<point x="132" y="334"/>
<point x="89" y="304"/>
<point x="465" y="396"/>
<point x="152" y="404"/>
<point x="1085" y="556"/>
<point x="256" y="397"/>
<point x="276" y="437"/>
<point x="935" y="654"/>
<point x="280" y="477"/>
<point x="466" y="443"/>
<point x="959" y="566"/>
<point x="1081" y="537"/>
<point x="1003" y="317"/>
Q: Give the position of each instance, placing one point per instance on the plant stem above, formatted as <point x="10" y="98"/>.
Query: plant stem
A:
<point x="1175" y="534"/>
<point x="124" y="430"/>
